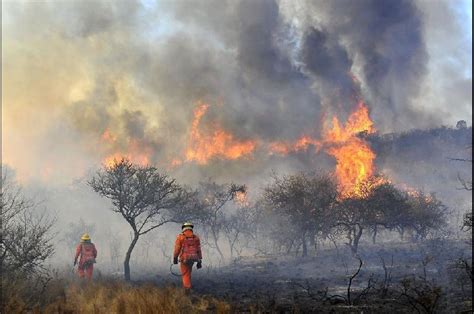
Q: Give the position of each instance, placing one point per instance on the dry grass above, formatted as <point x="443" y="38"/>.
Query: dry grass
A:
<point x="119" y="297"/>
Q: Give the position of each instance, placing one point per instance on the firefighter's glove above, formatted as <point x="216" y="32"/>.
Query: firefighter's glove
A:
<point x="199" y="265"/>
<point x="175" y="260"/>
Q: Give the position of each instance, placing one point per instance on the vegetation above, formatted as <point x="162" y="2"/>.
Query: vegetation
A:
<point x="144" y="197"/>
<point x="212" y="199"/>
<point x="118" y="297"/>
<point x="294" y="215"/>
<point x="25" y="243"/>
<point x="306" y="201"/>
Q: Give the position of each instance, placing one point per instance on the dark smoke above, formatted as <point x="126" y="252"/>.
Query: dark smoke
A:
<point x="387" y="36"/>
<point x="270" y="70"/>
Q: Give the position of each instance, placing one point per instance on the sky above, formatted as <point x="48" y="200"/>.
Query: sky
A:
<point x="86" y="80"/>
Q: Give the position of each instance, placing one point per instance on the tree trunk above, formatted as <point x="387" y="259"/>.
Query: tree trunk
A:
<point x="349" y="236"/>
<point x="305" y="247"/>
<point x="402" y="234"/>
<point x="290" y="246"/>
<point x="214" y="236"/>
<point x="312" y="242"/>
<point x="126" y="263"/>
<point x="357" y="236"/>
<point x="374" y="234"/>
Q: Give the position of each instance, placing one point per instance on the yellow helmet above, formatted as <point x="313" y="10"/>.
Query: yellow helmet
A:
<point x="85" y="237"/>
<point x="187" y="226"/>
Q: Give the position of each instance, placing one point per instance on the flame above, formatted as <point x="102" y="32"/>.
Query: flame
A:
<point x="203" y="146"/>
<point x="354" y="157"/>
<point x="241" y="199"/>
<point x="415" y="194"/>
<point x="111" y="160"/>
<point x="135" y="151"/>
<point x="303" y="143"/>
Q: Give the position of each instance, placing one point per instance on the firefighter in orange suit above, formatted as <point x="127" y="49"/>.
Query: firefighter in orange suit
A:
<point x="88" y="253"/>
<point x="188" y="249"/>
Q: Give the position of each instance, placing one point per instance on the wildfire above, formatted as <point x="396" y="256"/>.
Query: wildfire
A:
<point x="284" y="148"/>
<point x="111" y="160"/>
<point x="241" y="199"/>
<point x="354" y="157"/>
<point x="203" y="146"/>
<point x="415" y="194"/>
<point x="135" y="151"/>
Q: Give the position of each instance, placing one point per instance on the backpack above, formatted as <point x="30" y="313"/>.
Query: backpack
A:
<point x="87" y="255"/>
<point x="190" y="249"/>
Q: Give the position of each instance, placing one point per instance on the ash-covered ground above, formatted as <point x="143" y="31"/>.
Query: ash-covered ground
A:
<point x="427" y="277"/>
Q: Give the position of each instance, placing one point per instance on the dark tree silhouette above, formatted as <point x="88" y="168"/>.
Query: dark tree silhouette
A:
<point x="25" y="241"/>
<point x="304" y="200"/>
<point x="382" y="205"/>
<point x="145" y="198"/>
<point x="425" y="214"/>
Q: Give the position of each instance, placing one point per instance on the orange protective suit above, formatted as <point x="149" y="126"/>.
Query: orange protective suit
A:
<point x="188" y="248"/>
<point x="87" y="253"/>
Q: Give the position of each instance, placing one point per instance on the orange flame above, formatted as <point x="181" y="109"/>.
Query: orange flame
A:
<point x="111" y="160"/>
<point x="303" y="143"/>
<point x="354" y="157"/>
<point x="135" y="151"/>
<point x="241" y="199"/>
<point x="219" y="143"/>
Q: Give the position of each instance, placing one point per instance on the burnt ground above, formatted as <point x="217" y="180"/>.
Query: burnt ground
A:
<point x="425" y="277"/>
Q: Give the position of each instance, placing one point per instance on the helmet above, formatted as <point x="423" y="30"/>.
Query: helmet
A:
<point x="85" y="237"/>
<point x="187" y="226"/>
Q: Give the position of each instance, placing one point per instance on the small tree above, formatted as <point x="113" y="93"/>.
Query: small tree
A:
<point x="212" y="198"/>
<point x="354" y="216"/>
<point x="236" y="228"/>
<point x="25" y="241"/>
<point x="389" y="209"/>
<point x="466" y="184"/>
<point x="426" y="214"/>
<point x="145" y="198"/>
<point x="305" y="200"/>
<point x="379" y="204"/>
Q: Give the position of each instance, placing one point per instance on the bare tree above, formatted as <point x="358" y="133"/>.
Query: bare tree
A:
<point x="145" y="198"/>
<point x="236" y="227"/>
<point x="213" y="197"/>
<point x="25" y="239"/>
<point x="259" y="228"/>
<point x="466" y="184"/>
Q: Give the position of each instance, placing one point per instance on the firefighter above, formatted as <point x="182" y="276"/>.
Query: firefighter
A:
<point x="188" y="249"/>
<point x="88" y="253"/>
